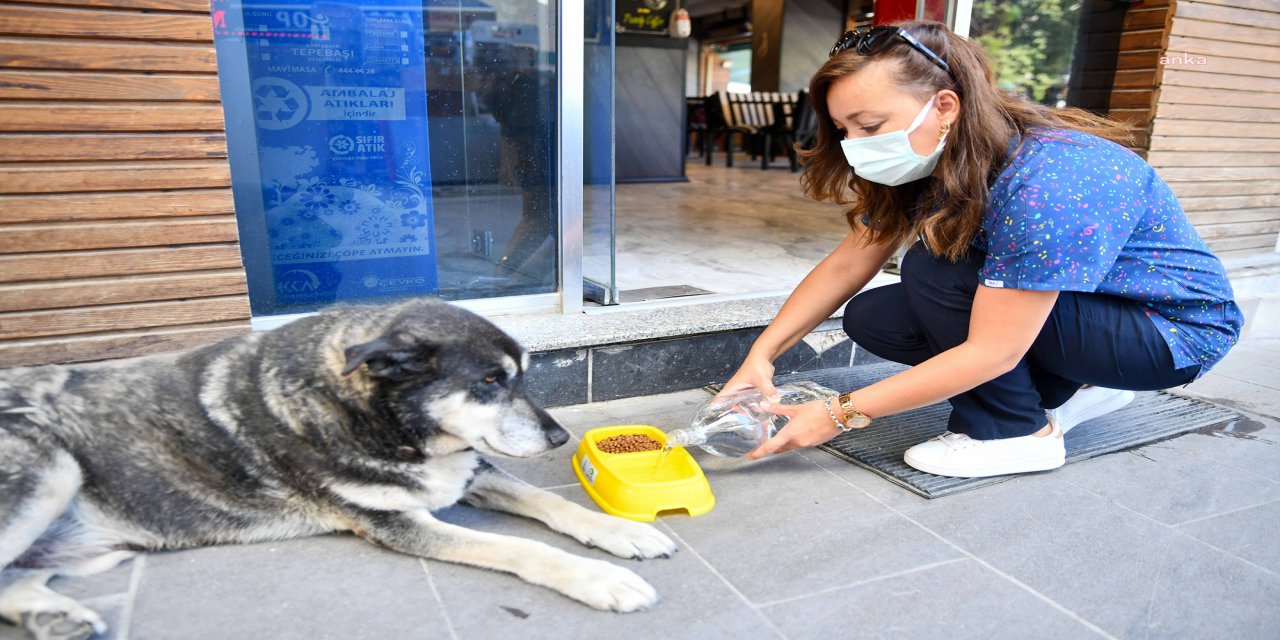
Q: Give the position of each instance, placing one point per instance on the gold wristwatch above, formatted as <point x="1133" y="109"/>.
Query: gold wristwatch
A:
<point x="853" y="418"/>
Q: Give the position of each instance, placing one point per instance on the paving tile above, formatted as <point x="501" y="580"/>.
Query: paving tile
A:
<point x="558" y="378"/>
<point x="1169" y="484"/>
<point x="1256" y="451"/>
<point x="961" y="599"/>
<point x="1247" y="534"/>
<point x="485" y="604"/>
<point x="1236" y="393"/>
<point x="318" y="588"/>
<point x="1200" y="592"/>
<point x="1095" y="558"/>
<point x="784" y="527"/>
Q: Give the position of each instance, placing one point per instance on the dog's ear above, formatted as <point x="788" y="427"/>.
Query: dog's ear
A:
<point x="387" y="359"/>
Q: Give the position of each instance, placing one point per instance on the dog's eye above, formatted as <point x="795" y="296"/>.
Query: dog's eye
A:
<point x="490" y="379"/>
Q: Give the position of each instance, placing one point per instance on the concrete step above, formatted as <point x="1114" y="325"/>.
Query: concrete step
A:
<point x="609" y="353"/>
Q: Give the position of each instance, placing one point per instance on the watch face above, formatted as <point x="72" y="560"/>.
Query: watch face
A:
<point x="857" y="422"/>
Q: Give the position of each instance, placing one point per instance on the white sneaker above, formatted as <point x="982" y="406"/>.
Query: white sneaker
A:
<point x="1087" y="404"/>
<point x="958" y="455"/>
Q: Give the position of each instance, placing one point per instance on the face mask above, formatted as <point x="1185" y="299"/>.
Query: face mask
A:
<point x="888" y="158"/>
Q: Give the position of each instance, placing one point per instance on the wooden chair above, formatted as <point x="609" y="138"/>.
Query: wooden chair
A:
<point x="720" y="123"/>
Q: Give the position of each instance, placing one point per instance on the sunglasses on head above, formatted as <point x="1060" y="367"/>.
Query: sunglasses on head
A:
<point x="875" y="40"/>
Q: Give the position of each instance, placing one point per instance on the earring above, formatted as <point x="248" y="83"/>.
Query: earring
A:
<point x="946" y="128"/>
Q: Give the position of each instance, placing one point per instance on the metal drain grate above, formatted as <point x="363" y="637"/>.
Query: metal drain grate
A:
<point x="1151" y="417"/>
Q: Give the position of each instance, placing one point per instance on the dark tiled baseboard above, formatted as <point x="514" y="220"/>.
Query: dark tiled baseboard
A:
<point x="613" y="371"/>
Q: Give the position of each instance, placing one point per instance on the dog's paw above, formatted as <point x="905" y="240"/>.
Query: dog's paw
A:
<point x="80" y="624"/>
<point x="607" y="587"/>
<point x="627" y="539"/>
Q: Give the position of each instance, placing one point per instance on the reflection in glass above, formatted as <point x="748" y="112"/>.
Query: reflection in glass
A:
<point x="388" y="150"/>
<point x="1030" y="43"/>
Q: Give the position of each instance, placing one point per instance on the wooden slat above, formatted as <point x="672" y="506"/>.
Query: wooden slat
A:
<point x="1228" y="15"/>
<point x="1235" y="203"/>
<point x="1223" y="188"/>
<point x="1201" y="174"/>
<point x="1224" y="65"/>
<point x="1261" y="5"/>
<point x="1233" y="229"/>
<point x="87" y="23"/>
<point x="98" y="291"/>
<point x="1206" y="143"/>
<point x="1196" y="77"/>
<point x="1205" y="47"/>
<point x="1124" y="60"/>
<point x="1183" y="26"/>
<point x="1138" y="19"/>
<point x="1173" y="127"/>
<point x="1233" y="215"/>
<point x="110" y="346"/>
<point x="109" y="206"/>
<point x="66" y="85"/>
<point x="64" y="178"/>
<point x="47" y="53"/>
<point x="1103" y="7"/>
<point x="1121" y="98"/>
<point x="1212" y="159"/>
<point x="128" y="146"/>
<point x="1140" y="118"/>
<point x="38" y="324"/>
<point x="173" y="116"/>
<point x="1243" y="244"/>
<point x="1144" y="40"/>
<point x="1222" y="114"/>
<point x="186" y="6"/>
<point x="34" y="267"/>
<point x="76" y="236"/>
<point x="1217" y="97"/>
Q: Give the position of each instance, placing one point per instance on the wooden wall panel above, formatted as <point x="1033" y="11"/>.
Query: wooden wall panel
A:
<point x="1216" y="131"/>
<point x="1115" y="71"/>
<point x="117" y="226"/>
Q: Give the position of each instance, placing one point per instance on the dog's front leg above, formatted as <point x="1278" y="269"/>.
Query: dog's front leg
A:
<point x="593" y="582"/>
<point x="494" y="489"/>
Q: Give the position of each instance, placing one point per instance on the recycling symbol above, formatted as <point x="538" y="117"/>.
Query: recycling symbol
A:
<point x="341" y="145"/>
<point x="278" y="103"/>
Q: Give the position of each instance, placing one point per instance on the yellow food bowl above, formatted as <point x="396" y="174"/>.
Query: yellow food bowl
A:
<point x="639" y="485"/>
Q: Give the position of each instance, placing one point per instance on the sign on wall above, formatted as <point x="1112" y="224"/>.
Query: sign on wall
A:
<point x="337" y="96"/>
<point x="644" y="16"/>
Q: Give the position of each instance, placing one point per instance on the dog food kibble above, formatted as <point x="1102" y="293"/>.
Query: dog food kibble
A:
<point x="628" y="443"/>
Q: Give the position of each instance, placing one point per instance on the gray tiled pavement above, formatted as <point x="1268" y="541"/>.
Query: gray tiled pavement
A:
<point x="1175" y="539"/>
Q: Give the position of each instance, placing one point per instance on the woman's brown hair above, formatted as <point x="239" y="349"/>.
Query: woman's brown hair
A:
<point x="953" y="204"/>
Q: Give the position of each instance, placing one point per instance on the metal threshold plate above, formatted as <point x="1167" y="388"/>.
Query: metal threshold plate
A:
<point x="659" y="293"/>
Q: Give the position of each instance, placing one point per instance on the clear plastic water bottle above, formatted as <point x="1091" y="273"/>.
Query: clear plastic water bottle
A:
<point x="734" y="425"/>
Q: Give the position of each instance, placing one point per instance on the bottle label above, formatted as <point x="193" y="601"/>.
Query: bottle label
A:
<point x="588" y="470"/>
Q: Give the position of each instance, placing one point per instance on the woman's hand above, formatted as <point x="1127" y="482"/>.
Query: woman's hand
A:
<point x="757" y="372"/>
<point x="810" y="426"/>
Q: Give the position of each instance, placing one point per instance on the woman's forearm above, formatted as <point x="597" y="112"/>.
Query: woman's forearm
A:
<point x="943" y="376"/>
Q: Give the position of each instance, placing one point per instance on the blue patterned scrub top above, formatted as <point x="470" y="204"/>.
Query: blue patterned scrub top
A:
<point x="1076" y="212"/>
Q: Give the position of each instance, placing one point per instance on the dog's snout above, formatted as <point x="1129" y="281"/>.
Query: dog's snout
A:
<point x="557" y="436"/>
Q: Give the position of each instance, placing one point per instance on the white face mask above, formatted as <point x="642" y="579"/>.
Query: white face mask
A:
<point x="888" y="158"/>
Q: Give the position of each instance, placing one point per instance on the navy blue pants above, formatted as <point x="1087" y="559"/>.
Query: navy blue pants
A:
<point x="1089" y="338"/>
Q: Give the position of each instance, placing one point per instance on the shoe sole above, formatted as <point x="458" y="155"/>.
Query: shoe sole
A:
<point x="1114" y="402"/>
<point x="1043" y="464"/>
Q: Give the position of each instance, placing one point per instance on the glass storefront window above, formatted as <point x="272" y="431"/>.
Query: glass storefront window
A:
<point x="391" y="149"/>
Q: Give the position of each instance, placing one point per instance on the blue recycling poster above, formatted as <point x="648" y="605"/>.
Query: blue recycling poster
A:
<point x="339" y="109"/>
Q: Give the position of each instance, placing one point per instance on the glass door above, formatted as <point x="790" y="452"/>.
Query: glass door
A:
<point x="599" y="223"/>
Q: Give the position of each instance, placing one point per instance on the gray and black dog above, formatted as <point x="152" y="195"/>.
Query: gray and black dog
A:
<point x="360" y="419"/>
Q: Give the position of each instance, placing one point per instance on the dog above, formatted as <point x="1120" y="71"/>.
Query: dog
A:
<point x="362" y="418"/>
